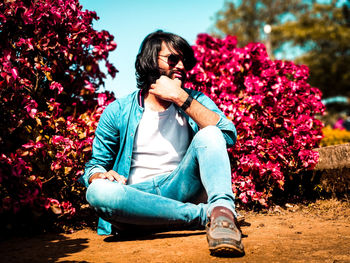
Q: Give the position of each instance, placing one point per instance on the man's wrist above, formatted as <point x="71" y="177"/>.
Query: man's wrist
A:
<point x="93" y="176"/>
<point x="187" y="103"/>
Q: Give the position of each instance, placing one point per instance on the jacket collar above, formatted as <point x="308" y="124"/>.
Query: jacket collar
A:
<point x="141" y="98"/>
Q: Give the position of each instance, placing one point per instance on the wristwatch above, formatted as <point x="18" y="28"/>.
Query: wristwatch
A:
<point x="187" y="103"/>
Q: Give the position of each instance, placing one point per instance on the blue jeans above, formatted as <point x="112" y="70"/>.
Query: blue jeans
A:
<point x="164" y="202"/>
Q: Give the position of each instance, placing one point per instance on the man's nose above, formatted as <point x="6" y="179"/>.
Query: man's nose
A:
<point x="180" y="65"/>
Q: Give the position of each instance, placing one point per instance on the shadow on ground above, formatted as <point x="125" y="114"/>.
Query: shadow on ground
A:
<point x="42" y="248"/>
<point x="121" y="238"/>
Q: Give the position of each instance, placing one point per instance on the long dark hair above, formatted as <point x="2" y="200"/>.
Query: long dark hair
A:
<point x="147" y="71"/>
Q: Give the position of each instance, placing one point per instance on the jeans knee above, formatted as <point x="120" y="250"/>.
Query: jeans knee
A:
<point x="102" y="192"/>
<point x="210" y="135"/>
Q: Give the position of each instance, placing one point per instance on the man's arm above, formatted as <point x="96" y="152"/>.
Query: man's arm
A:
<point x="104" y="149"/>
<point x="170" y="90"/>
<point x="199" y="113"/>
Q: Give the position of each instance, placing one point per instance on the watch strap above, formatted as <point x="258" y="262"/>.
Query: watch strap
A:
<point x="187" y="103"/>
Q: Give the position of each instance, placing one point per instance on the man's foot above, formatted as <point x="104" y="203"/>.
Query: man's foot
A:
<point x="223" y="235"/>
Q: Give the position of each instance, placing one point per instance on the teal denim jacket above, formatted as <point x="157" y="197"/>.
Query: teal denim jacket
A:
<point x="114" y="137"/>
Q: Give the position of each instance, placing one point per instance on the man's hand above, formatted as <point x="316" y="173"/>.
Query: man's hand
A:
<point x="110" y="175"/>
<point x="168" y="89"/>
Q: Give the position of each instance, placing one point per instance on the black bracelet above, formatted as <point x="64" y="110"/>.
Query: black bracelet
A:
<point x="187" y="103"/>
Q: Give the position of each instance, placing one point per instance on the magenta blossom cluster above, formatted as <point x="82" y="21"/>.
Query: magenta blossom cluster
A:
<point x="49" y="108"/>
<point x="272" y="106"/>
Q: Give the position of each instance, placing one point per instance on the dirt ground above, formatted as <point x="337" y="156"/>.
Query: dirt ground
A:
<point x="319" y="232"/>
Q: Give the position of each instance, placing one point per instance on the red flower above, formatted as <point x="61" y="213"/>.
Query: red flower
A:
<point x="272" y="107"/>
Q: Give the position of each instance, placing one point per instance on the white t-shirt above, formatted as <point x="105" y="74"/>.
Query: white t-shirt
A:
<point x="161" y="141"/>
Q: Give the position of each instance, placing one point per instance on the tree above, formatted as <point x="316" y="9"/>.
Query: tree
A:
<point x="246" y="19"/>
<point x="49" y="75"/>
<point x="323" y="31"/>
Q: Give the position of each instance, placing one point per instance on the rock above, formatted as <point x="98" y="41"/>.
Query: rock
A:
<point x="333" y="157"/>
<point x="332" y="172"/>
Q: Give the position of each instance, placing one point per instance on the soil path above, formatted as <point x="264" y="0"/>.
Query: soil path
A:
<point x="316" y="233"/>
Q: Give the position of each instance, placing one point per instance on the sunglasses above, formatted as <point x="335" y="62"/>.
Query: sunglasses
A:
<point x="172" y="59"/>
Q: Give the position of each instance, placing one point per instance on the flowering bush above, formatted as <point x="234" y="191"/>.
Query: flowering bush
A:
<point x="49" y="108"/>
<point x="272" y="106"/>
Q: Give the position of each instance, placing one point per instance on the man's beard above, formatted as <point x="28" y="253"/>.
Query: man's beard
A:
<point x="170" y="74"/>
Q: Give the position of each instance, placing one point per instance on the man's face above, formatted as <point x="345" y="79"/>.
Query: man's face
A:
<point x="171" y="64"/>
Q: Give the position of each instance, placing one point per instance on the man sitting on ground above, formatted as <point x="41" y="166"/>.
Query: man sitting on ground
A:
<point x="157" y="148"/>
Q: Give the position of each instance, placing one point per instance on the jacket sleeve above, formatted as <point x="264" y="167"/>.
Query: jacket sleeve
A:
<point x="226" y="126"/>
<point x="105" y="144"/>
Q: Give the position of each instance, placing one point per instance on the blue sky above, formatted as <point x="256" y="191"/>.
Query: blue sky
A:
<point x="130" y="21"/>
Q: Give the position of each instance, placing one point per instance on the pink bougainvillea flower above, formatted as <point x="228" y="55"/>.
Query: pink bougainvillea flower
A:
<point x="50" y="57"/>
<point x="56" y="86"/>
<point x="31" y="108"/>
<point x="101" y="99"/>
<point x="89" y="86"/>
<point x="272" y="106"/>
